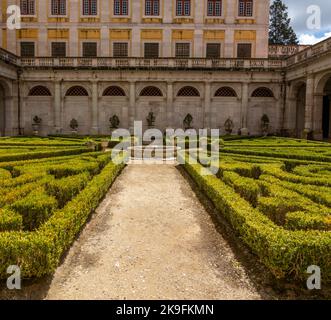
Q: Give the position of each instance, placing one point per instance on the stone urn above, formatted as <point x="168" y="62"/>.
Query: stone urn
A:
<point x="36" y="122"/>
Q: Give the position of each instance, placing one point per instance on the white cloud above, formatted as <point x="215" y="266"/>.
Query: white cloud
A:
<point x="312" y="39"/>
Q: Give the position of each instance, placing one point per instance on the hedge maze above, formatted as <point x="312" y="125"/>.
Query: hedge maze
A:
<point x="276" y="194"/>
<point x="46" y="198"/>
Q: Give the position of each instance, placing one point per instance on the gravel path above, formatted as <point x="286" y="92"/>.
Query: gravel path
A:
<point x="151" y="238"/>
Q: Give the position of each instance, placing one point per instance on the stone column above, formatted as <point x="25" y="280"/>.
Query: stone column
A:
<point x="318" y="117"/>
<point x="170" y="105"/>
<point x="309" y="104"/>
<point x="57" y="107"/>
<point x="104" y="43"/>
<point x="95" y="111"/>
<point x="132" y="104"/>
<point x="207" y="106"/>
<point x="244" y="108"/>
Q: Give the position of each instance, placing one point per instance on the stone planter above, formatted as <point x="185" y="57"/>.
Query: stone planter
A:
<point x="35" y="128"/>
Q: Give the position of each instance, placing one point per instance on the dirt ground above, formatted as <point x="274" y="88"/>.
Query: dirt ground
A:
<point x="151" y="238"/>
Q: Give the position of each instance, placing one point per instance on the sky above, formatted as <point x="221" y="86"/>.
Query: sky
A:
<point x="300" y="19"/>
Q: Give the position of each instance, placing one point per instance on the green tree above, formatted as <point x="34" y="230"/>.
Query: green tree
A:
<point x="280" y="30"/>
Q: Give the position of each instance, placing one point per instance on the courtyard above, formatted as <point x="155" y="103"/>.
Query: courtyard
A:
<point x="81" y="226"/>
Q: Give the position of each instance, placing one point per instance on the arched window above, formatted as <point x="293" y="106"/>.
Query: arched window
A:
<point x="262" y="92"/>
<point x="188" y="92"/>
<point x="225" y="92"/>
<point x="114" y="91"/>
<point x="76" y="91"/>
<point x="151" y="92"/>
<point x="39" y="91"/>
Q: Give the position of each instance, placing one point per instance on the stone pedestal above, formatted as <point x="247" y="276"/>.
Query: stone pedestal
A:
<point x="244" y="132"/>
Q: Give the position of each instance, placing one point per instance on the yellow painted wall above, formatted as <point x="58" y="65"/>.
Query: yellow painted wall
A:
<point x="182" y="34"/>
<point x="58" y="33"/>
<point x="27" y="34"/>
<point x="4" y="38"/>
<point x="214" y="34"/>
<point x="120" y="34"/>
<point x="245" y="35"/>
<point x="151" y="34"/>
<point x="4" y="10"/>
<point x="89" y="34"/>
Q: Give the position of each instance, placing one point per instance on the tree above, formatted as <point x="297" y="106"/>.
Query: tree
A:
<point x="280" y="30"/>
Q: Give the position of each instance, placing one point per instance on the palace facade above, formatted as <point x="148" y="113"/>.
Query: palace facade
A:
<point x="91" y="59"/>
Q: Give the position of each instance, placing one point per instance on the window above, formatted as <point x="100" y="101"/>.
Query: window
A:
<point x="244" y="50"/>
<point x="213" y="51"/>
<point x="59" y="8"/>
<point x="39" y="91"/>
<point x="183" y="7"/>
<point x="225" y="92"/>
<point x="214" y="8"/>
<point x="188" y="92"/>
<point x="89" y="49"/>
<point x="58" y="49"/>
<point x="121" y="7"/>
<point x="114" y="91"/>
<point x="151" y="50"/>
<point x="77" y="91"/>
<point x="27" y="49"/>
<point x="182" y="50"/>
<point x="152" y="7"/>
<point x="262" y="92"/>
<point x="245" y="8"/>
<point x="151" y="92"/>
<point x="90" y="7"/>
<point x="28" y="7"/>
<point x="120" y="50"/>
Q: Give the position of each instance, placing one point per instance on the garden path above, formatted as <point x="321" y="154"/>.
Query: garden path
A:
<point x="151" y="238"/>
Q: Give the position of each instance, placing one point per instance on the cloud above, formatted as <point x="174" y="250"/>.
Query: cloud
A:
<point x="299" y="17"/>
<point x="305" y="38"/>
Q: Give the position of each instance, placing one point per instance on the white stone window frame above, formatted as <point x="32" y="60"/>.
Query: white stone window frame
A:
<point x="114" y="16"/>
<point x="222" y="16"/>
<point x="89" y="41"/>
<point x="35" y="11"/>
<point x="58" y="15"/>
<point x="252" y="17"/>
<point x="128" y="42"/>
<point x="221" y="42"/>
<point x="253" y="43"/>
<point x="82" y="15"/>
<point x="190" y="42"/>
<point x="153" y="16"/>
<point x="142" y="51"/>
<point x="66" y="41"/>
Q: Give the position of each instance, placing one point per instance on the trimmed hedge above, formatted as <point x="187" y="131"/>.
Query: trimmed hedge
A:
<point x="66" y="188"/>
<point x="10" y="220"/>
<point x="38" y="253"/>
<point x="42" y="154"/>
<point x="35" y="208"/>
<point x="286" y="253"/>
<point x="66" y="170"/>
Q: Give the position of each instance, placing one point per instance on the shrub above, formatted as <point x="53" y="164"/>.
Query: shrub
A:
<point x="10" y="220"/>
<point x="286" y="253"/>
<point x="246" y="187"/>
<point x="38" y="253"/>
<point x="70" y="169"/>
<point x="66" y="188"/>
<point x="36" y="208"/>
